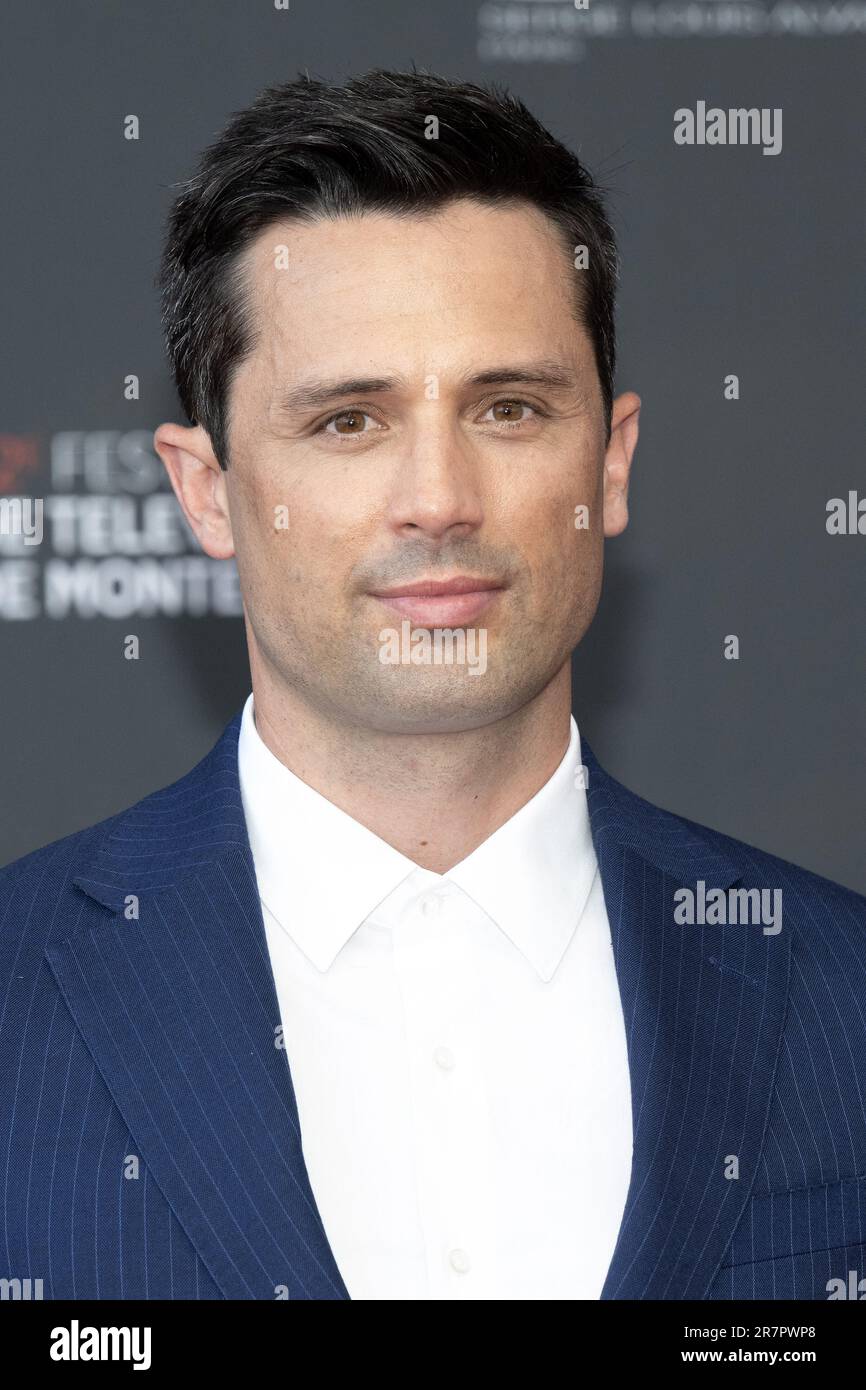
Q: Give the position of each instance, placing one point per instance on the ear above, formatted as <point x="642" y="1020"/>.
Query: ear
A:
<point x="617" y="461"/>
<point x="199" y="485"/>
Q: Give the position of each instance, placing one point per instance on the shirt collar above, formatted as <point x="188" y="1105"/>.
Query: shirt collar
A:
<point x="321" y="874"/>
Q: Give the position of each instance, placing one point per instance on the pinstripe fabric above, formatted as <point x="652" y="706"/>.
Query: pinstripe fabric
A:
<point x="149" y="1137"/>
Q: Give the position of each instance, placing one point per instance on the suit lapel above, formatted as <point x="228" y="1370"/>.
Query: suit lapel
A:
<point x="703" y="1008"/>
<point x="168" y="978"/>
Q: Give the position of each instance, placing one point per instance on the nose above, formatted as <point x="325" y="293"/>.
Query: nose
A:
<point x="437" y="486"/>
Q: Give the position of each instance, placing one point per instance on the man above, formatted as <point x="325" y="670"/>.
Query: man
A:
<point x="397" y="994"/>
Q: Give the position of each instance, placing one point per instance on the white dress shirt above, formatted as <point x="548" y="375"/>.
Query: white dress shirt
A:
<point x="456" y="1042"/>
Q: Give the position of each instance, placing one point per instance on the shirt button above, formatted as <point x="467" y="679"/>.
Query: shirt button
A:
<point x="444" y="1058"/>
<point x="459" y="1261"/>
<point x="432" y="906"/>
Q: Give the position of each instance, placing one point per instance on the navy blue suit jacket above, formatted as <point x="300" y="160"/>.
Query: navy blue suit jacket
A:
<point x="149" y="1137"/>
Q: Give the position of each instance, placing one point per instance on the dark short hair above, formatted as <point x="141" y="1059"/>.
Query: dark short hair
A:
<point x="307" y="150"/>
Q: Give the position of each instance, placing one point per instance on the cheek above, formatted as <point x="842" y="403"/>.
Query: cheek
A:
<point x="555" y="476"/>
<point x="564" y="560"/>
<point x="560" y="519"/>
<point x="313" y="547"/>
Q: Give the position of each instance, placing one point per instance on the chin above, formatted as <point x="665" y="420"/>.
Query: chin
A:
<point x="436" y="713"/>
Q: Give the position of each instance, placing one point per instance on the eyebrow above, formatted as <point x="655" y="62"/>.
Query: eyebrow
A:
<point x="310" y="394"/>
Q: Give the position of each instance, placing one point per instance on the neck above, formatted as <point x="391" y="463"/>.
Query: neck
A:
<point x="433" y="797"/>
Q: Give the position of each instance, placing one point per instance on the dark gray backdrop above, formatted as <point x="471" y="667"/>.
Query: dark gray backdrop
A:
<point x="733" y="262"/>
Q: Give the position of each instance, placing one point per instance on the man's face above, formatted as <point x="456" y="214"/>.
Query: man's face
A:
<point x="421" y="405"/>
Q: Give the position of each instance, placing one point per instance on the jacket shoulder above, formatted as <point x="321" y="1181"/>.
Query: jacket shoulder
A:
<point x="663" y="835"/>
<point x="813" y="906"/>
<point x="182" y="820"/>
<point x="61" y="859"/>
<point x="61" y="856"/>
<point x="807" y="886"/>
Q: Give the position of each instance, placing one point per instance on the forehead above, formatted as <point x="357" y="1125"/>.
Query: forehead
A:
<point x="412" y="292"/>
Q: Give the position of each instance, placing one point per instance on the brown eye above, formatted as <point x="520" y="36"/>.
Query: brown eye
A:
<point x="350" y="422"/>
<point x="513" y="412"/>
<point x="508" y="409"/>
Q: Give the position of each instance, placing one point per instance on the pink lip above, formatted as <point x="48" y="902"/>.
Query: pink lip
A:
<point x="441" y="603"/>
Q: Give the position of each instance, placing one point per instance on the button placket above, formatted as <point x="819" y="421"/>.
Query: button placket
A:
<point x="449" y="1107"/>
<point x="444" y="1059"/>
